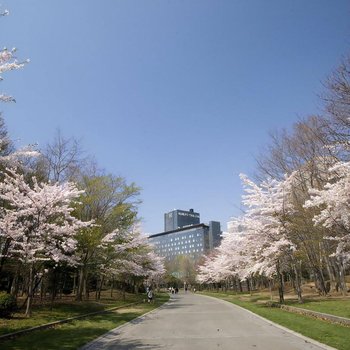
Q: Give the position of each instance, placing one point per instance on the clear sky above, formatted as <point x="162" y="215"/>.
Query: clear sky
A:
<point x="177" y="96"/>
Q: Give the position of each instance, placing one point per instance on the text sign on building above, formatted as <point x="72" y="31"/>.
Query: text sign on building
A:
<point x="188" y="214"/>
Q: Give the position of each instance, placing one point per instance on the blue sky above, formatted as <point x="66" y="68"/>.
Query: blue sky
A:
<point x="177" y="96"/>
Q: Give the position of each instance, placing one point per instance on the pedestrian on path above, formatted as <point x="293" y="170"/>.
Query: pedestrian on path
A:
<point x="150" y="295"/>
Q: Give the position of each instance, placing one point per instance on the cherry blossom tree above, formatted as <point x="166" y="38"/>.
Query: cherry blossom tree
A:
<point x="299" y="221"/>
<point x="258" y="243"/>
<point x="231" y="259"/>
<point x="207" y="272"/>
<point x="268" y="206"/>
<point x="37" y="224"/>
<point x="334" y="204"/>
<point x="155" y="269"/>
<point x="129" y="255"/>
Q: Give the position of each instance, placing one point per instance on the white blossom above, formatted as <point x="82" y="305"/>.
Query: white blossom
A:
<point x="333" y="202"/>
<point x="37" y="220"/>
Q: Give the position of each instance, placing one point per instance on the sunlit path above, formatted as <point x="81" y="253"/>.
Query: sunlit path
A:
<point x="191" y="321"/>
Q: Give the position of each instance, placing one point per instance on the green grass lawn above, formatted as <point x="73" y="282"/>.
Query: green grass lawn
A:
<point x="74" y="334"/>
<point x="333" y="335"/>
<point x="60" y="311"/>
<point x="333" y="307"/>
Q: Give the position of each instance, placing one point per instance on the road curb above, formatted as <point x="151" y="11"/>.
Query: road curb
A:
<point x="318" y="315"/>
<point x="307" y="339"/>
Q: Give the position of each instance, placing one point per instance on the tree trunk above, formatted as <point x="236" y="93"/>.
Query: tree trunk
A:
<point x="112" y="286"/>
<point x="124" y="290"/>
<point x="4" y="253"/>
<point x="332" y="273"/>
<point x="79" y="296"/>
<point x="42" y="291"/>
<point x="320" y="281"/>
<point x="270" y="287"/>
<point x="249" y="286"/>
<point x="297" y="283"/>
<point x="30" y="291"/>
<point x="15" y="282"/>
<point x="75" y="284"/>
<point x="342" y="281"/>
<point x="101" y="285"/>
<point x="240" y="286"/>
<point x="86" y="288"/>
<point x="280" y="284"/>
<point x="53" y="291"/>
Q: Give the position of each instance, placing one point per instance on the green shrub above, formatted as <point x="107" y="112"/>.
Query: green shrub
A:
<point x="67" y="290"/>
<point x="7" y="304"/>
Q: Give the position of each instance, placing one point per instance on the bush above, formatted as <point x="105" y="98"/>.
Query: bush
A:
<point x="67" y="290"/>
<point x="7" y="304"/>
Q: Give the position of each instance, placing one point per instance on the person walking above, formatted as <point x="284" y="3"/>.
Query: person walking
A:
<point x="150" y="295"/>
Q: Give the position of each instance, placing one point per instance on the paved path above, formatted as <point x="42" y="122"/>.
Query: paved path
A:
<point x="195" y="322"/>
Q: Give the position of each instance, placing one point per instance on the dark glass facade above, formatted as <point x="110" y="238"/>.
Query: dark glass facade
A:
<point x="180" y="218"/>
<point x="192" y="241"/>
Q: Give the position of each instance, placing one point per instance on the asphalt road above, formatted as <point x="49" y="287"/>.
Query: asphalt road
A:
<point x="195" y="322"/>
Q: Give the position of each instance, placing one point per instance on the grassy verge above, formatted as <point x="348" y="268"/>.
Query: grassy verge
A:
<point x="79" y="332"/>
<point x="333" y="307"/>
<point x="61" y="310"/>
<point x="333" y="335"/>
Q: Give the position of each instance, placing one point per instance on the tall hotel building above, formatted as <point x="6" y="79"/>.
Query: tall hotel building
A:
<point x="185" y="235"/>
